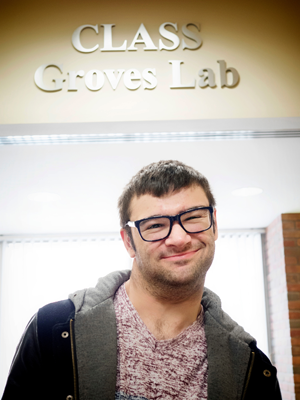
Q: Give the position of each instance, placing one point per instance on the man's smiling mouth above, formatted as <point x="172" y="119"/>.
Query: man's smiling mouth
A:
<point x="180" y="256"/>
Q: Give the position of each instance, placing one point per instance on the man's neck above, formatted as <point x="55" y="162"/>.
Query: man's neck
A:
<point x="165" y="318"/>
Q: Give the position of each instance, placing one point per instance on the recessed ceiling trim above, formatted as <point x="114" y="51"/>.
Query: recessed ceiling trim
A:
<point x="146" y="137"/>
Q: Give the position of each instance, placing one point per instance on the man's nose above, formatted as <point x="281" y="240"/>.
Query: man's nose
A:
<point x="178" y="236"/>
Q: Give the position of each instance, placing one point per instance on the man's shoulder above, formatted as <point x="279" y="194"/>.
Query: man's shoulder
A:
<point x="229" y="344"/>
<point x="61" y="312"/>
<point x="262" y="382"/>
<point x="55" y="313"/>
<point x="51" y="317"/>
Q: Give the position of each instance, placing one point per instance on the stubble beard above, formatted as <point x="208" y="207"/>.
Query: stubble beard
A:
<point x="167" y="284"/>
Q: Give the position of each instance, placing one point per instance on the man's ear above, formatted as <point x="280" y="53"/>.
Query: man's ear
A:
<point x="216" y="233"/>
<point x="127" y="242"/>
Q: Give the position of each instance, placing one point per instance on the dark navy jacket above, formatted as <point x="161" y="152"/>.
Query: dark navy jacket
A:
<point x="48" y="366"/>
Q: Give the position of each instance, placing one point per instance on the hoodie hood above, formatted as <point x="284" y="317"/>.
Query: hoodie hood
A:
<point x="107" y="286"/>
<point x="105" y="289"/>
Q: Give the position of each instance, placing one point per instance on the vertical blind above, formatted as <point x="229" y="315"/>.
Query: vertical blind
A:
<point x="237" y="276"/>
<point x="38" y="271"/>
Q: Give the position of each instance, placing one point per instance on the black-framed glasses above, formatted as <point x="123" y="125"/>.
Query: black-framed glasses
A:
<point x="152" y="229"/>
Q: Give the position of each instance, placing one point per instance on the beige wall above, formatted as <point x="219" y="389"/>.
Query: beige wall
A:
<point x="260" y="40"/>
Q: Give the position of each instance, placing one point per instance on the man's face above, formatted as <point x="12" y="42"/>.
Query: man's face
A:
<point x="182" y="259"/>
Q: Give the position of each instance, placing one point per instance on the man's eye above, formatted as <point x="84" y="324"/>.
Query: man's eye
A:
<point x="194" y="218"/>
<point x="155" y="226"/>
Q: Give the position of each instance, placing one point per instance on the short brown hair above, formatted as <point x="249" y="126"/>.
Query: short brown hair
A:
<point x="159" y="179"/>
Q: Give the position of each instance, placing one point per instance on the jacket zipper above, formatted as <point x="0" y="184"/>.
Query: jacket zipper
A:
<point x="73" y="357"/>
<point x="249" y="374"/>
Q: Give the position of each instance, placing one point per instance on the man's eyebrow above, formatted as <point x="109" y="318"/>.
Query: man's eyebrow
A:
<point x="169" y="215"/>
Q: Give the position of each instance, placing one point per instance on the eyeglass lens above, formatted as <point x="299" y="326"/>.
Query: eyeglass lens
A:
<point x="192" y="221"/>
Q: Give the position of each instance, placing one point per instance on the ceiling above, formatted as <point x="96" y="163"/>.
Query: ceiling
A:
<point x="90" y="177"/>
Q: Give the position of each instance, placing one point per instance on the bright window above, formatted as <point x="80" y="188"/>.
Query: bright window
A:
<point x="237" y="276"/>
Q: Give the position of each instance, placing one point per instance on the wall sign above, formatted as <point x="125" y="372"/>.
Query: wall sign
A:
<point x="134" y="79"/>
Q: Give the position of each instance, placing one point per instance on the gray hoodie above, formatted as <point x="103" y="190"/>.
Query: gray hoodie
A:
<point x="96" y="343"/>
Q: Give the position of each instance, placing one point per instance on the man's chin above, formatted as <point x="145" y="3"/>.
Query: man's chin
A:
<point x="180" y="276"/>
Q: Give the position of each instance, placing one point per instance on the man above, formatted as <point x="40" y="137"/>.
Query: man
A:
<point x="156" y="333"/>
